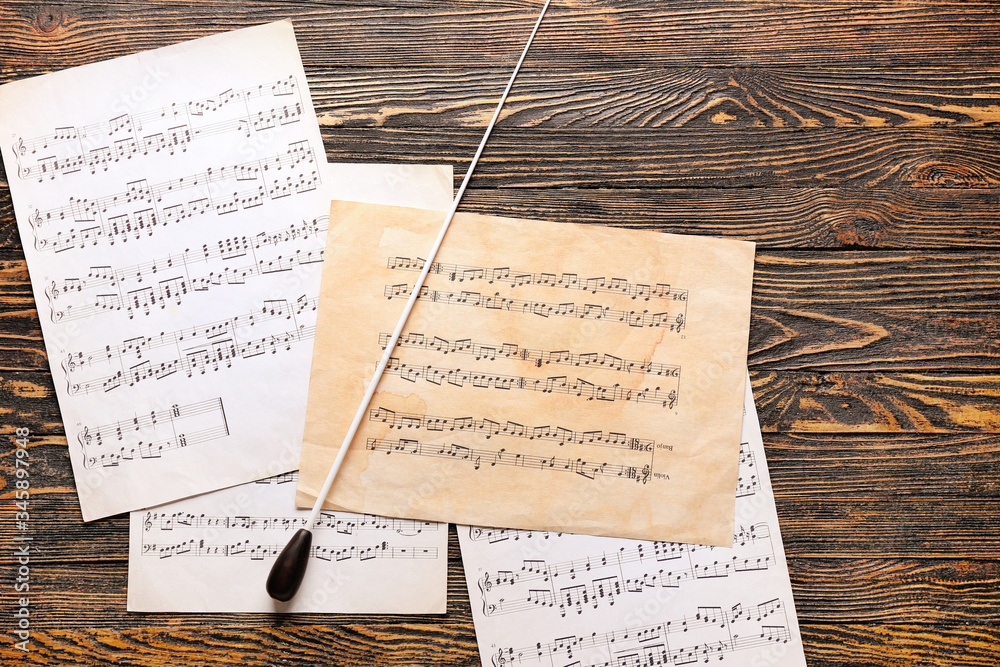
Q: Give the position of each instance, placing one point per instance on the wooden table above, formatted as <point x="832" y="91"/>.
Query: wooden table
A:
<point x="856" y="143"/>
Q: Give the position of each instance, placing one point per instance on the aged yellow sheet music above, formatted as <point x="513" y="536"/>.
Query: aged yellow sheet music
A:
<point x="551" y="376"/>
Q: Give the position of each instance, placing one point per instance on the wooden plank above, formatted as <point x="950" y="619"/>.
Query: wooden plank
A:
<point x="838" y="496"/>
<point x="816" y="338"/>
<point x="745" y="99"/>
<point x="975" y="644"/>
<point x="383" y="34"/>
<point x="895" y="590"/>
<point x="856" y="645"/>
<point x="727" y="98"/>
<point x="686" y="158"/>
<point x="897" y="528"/>
<point x="810" y="311"/>
<point x="93" y="595"/>
<point x="801" y="402"/>
<point x="836" y="339"/>
<point x="878" y="470"/>
<point x="21" y="345"/>
<point x="775" y="218"/>
<point x="787" y="401"/>
<point x="625" y="158"/>
<point x="961" y="281"/>
<point x="377" y="644"/>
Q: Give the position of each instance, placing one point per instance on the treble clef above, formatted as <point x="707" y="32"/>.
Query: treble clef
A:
<point x="69" y="365"/>
<point x="498" y="659"/>
<point x="148" y="524"/>
<point x="85" y="437"/>
<point x="19" y="147"/>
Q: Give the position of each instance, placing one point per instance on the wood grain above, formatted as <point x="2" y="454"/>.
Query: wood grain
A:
<point x="469" y="33"/>
<point x="860" y="645"/>
<point x="691" y="157"/>
<point x="797" y="402"/>
<point x="847" y="645"/>
<point x="724" y="98"/>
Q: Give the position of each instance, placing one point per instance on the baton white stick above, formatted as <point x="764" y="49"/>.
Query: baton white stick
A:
<point x="290" y="566"/>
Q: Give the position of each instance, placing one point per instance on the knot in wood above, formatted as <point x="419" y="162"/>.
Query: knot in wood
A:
<point x="49" y="18"/>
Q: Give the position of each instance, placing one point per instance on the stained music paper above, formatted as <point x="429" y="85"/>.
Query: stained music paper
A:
<point x="545" y="367"/>
<point x="552" y="599"/>
<point x="212" y="553"/>
<point x="172" y="206"/>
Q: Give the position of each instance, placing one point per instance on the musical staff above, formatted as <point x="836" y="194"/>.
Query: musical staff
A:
<point x="702" y="634"/>
<point x="494" y="351"/>
<point x="171" y="278"/>
<point x="587" y="582"/>
<point x="191" y="351"/>
<point x="551" y="385"/>
<point x="149" y="435"/>
<point x="668" y="319"/>
<point x="344" y="523"/>
<point x="490" y="428"/>
<point x="478" y="458"/>
<point x="518" y="278"/>
<point x="149" y="206"/>
<point x="253" y="551"/>
<point x="165" y="130"/>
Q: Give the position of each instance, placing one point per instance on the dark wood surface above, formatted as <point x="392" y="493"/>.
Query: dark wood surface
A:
<point x="857" y="143"/>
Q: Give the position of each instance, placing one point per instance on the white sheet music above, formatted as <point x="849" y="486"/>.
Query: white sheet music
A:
<point x="173" y="206"/>
<point x="212" y="553"/>
<point x="558" y="600"/>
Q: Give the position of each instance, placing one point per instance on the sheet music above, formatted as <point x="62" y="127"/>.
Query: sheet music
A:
<point x="212" y="553"/>
<point x="556" y="599"/>
<point x="550" y="377"/>
<point x="173" y="208"/>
